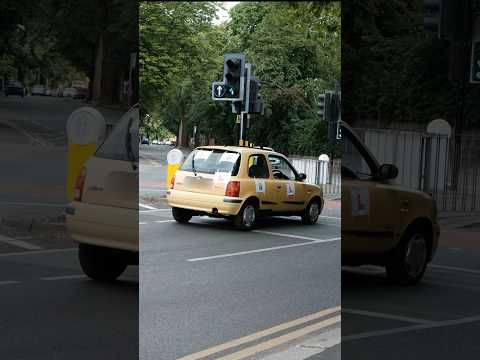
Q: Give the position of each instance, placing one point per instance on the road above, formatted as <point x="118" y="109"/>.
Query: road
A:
<point x="50" y="309"/>
<point x="437" y="319"/>
<point x="208" y="289"/>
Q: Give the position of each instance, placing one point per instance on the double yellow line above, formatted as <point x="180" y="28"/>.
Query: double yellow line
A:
<point x="273" y="342"/>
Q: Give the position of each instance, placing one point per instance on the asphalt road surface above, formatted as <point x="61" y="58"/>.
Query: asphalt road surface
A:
<point x="437" y="319"/>
<point x="207" y="289"/>
<point x="50" y="310"/>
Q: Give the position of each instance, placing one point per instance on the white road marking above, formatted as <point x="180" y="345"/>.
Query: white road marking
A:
<point x="38" y="252"/>
<point x="318" y="241"/>
<point x="142" y="223"/>
<point x="454" y="268"/>
<point x="19" y="243"/>
<point x="148" y="211"/>
<point x="387" y="316"/>
<point x="402" y="329"/>
<point x="8" y="282"/>
<point x="290" y="235"/>
<point x="164" y="221"/>
<point x="330" y="217"/>
<point x="64" y="277"/>
<point x="148" y="207"/>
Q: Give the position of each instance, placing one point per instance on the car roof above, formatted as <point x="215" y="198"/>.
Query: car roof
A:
<point x="240" y="149"/>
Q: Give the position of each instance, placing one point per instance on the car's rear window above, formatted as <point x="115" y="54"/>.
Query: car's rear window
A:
<point x="211" y="161"/>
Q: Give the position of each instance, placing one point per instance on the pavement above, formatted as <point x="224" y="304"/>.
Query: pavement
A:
<point x="50" y="309"/>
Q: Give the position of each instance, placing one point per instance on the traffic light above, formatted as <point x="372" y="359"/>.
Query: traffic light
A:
<point x="233" y="76"/>
<point x="255" y="105"/>
<point x="321" y="106"/>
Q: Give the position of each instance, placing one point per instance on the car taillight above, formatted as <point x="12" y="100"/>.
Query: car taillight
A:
<point x="233" y="189"/>
<point x="172" y="182"/>
<point x="79" y="184"/>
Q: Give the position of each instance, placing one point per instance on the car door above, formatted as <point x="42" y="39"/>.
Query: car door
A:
<point x="290" y="192"/>
<point x="369" y="207"/>
<point x="265" y="185"/>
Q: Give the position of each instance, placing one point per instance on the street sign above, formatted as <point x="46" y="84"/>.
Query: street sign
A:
<point x="218" y="90"/>
<point x="475" y="69"/>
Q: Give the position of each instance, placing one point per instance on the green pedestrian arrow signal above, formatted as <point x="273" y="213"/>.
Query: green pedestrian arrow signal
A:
<point x="475" y="70"/>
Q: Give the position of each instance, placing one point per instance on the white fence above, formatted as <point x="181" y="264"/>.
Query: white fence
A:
<point x="323" y="173"/>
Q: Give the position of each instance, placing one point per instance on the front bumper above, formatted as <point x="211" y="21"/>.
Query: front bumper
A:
<point x="205" y="203"/>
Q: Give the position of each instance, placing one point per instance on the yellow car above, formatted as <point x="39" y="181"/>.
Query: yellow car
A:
<point x="384" y="224"/>
<point x="103" y="218"/>
<point x="241" y="183"/>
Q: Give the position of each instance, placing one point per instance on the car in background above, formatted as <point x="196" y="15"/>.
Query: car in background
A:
<point x="103" y="217"/>
<point x="384" y="224"/>
<point x="15" y="88"/>
<point x="69" y="92"/>
<point x="48" y="91"/>
<point x="38" y="90"/>
<point x="241" y="184"/>
<point x="145" y="142"/>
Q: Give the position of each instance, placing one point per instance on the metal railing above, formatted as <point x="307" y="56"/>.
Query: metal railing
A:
<point x="323" y="173"/>
<point x="446" y="167"/>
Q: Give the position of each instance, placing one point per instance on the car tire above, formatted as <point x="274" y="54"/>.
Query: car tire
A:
<point x="246" y="219"/>
<point x="408" y="261"/>
<point x="182" y="216"/>
<point x="312" y="212"/>
<point x="100" y="263"/>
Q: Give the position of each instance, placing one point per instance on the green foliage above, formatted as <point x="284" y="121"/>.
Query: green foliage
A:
<point x="294" y="49"/>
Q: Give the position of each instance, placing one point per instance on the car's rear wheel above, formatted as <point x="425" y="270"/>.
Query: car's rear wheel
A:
<point x="409" y="260"/>
<point x="312" y="212"/>
<point x="181" y="215"/>
<point x="100" y="263"/>
<point x="246" y="218"/>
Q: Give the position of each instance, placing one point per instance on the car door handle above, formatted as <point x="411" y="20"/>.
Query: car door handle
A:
<point x="279" y="187"/>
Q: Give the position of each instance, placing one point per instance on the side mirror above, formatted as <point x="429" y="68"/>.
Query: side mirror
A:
<point x="387" y="172"/>
<point x="301" y="177"/>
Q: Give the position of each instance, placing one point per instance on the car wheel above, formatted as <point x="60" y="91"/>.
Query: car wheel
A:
<point x="312" y="212"/>
<point x="182" y="216"/>
<point x="246" y="218"/>
<point x="409" y="260"/>
<point x="100" y="263"/>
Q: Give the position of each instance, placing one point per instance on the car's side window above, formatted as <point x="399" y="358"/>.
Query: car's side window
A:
<point x="281" y="169"/>
<point x="354" y="165"/>
<point x="257" y="167"/>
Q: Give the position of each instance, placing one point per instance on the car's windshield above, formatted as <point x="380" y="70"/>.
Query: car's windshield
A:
<point x="211" y="161"/>
<point x="116" y="145"/>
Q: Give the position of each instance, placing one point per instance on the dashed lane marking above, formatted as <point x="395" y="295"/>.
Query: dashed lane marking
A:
<point x="147" y="207"/>
<point x="148" y="211"/>
<point x="19" y="243"/>
<point x="9" y="282"/>
<point x="164" y="221"/>
<point x="386" y="316"/>
<point x="318" y="241"/>
<point x="38" y="252"/>
<point x="453" y="268"/>
<point x="63" y="277"/>
<point x="260" y="334"/>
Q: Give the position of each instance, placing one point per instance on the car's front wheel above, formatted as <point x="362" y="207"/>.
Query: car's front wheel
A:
<point x="182" y="216"/>
<point x="409" y="260"/>
<point x="100" y="263"/>
<point x="246" y="218"/>
<point x="312" y="212"/>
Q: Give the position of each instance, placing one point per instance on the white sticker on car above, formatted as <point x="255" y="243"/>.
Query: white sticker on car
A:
<point x="260" y="186"/>
<point x="360" y="201"/>
<point x="221" y="177"/>
<point x="202" y="154"/>
<point x="290" y="188"/>
<point x="229" y="157"/>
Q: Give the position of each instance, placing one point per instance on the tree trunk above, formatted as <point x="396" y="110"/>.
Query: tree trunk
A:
<point x="182" y="134"/>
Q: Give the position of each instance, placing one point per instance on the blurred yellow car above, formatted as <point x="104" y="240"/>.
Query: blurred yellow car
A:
<point x="103" y="218"/>
<point x="241" y="183"/>
<point x="382" y="223"/>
